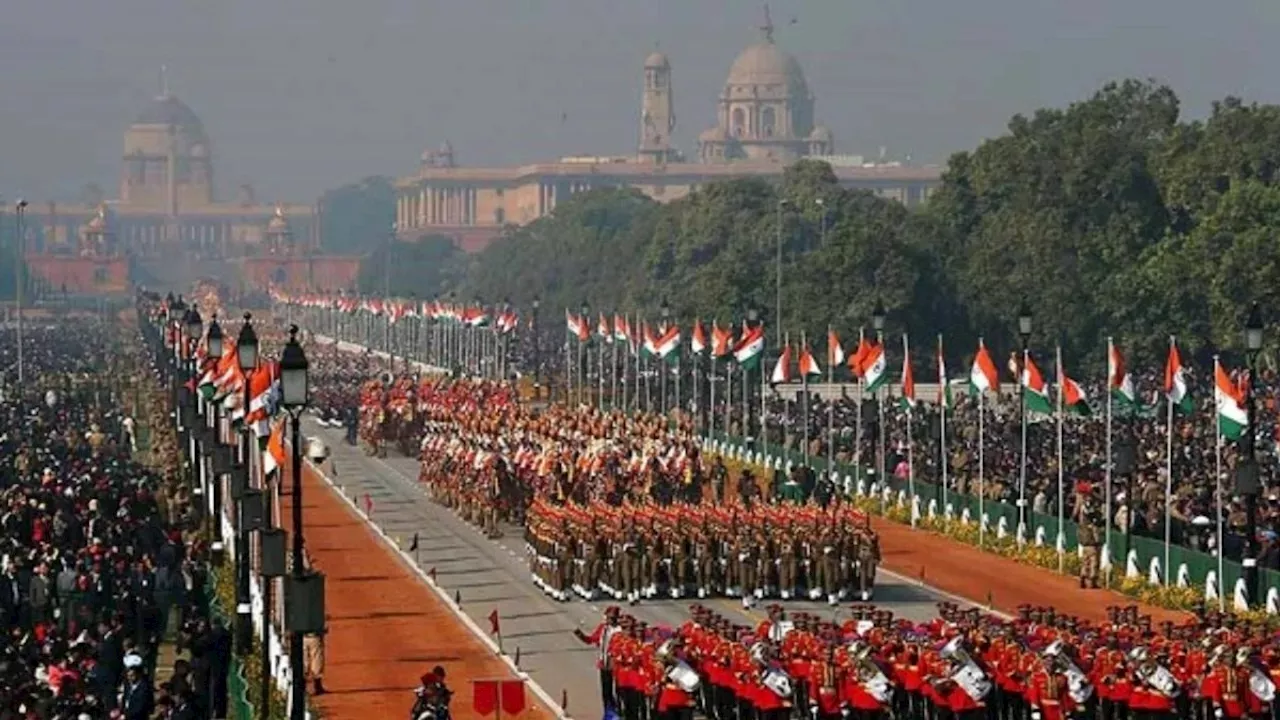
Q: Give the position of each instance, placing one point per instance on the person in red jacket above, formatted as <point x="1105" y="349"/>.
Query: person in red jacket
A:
<point x="1047" y="694"/>
<point x="601" y="637"/>
<point x="1224" y="690"/>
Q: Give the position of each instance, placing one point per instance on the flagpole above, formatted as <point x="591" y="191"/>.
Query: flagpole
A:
<point x="1022" y="461"/>
<point x="600" y="373"/>
<point x="568" y="371"/>
<point x="1106" y="540"/>
<point x="679" y="372"/>
<point x="728" y="401"/>
<point x="1168" y="471"/>
<point x="911" y="445"/>
<point x="804" y="400"/>
<point x="880" y="393"/>
<point x="857" y="422"/>
<point x="636" y="348"/>
<point x="1060" y="540"/>
<point x="982" y="478"/>
<point x="761" y="427"/>
<point x="831" y="407"/>
<point x="1217" y="492"/>
<point x="613" y="365"/>
<point x="711" y="405"/>
<point x="943" y="406"/>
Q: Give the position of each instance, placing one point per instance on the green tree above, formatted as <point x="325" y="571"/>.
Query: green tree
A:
<point x="358" y="217"/>
<point x="424" y="268"/>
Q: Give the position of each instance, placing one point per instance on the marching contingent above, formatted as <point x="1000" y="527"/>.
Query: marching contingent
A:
<point x="625" y="505"/>
<point x="964" y="664"/>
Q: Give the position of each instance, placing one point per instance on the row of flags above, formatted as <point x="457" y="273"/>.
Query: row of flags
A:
<point x="503" y="319"/>
<point x="869" y="364"/>
<point x="222" y="381"/>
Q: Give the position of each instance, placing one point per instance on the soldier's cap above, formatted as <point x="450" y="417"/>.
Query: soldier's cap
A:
<point x="774" y="609"/>
<point x="612" y="611"/>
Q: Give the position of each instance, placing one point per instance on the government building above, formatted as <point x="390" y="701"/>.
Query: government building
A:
<point x="166" y="203"/>
<point x="765" y="121"/>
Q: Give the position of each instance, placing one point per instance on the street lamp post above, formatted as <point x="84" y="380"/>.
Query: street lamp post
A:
<point x="19" y="247"/>
<point x="213" y="348"/>
<point x="293" y="396"/>
<point x="247" y="356"/>
<point x="1248" y="480"/>
<point x="878" y="318"/>
<point x="580" y="370"/>
<point x="777" y="320"/>
<point x="537" y="347"/>
<point x="1024" y="337"/>
<point x="749" y="402"/>
<point x="666" y="322"/>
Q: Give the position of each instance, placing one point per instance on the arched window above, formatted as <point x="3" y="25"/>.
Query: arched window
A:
<point x="767" y="121"/>
<point x="739" y="123"/>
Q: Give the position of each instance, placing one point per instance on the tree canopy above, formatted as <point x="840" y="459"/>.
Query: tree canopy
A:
<point x="1111" y="217"/>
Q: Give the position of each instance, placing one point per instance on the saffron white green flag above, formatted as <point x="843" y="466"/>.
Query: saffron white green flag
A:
<point x="1232" y="418"/>
<point x="875" y="367"/>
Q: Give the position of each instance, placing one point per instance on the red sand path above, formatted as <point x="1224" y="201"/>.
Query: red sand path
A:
<point x="386" y="626"/>
<point x="971" y="573"/>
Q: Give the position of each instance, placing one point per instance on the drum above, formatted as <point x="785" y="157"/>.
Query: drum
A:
<point x="878" y="688"/>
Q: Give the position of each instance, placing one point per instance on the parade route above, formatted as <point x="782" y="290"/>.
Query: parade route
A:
<point x="386" y="627"/>
<point x="493" y="574"/>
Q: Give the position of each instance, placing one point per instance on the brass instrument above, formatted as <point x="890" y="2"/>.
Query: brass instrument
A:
<point x="870" y="676"/>
<point x="778" y="681"/>
<point x="1153" y="673"/>
<point x="1260" y="684"/>
<point x="677" y="670"/>
<point x="965" y="672"/>
<point x="1078" y="685"/>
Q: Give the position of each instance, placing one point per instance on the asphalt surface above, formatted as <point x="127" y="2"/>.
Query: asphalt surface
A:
<point x="493" y="574"/>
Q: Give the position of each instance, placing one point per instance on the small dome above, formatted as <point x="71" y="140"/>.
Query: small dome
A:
<point x="820" y="134"/>
<point x="278" y="224"/>
<point x="169" y="110"/>
<point x="445" y="148"/>
<point x="657" y="60"/>
<point x="766" y="64"/>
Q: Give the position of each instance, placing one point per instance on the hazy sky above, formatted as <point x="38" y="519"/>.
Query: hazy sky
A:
<point x="302" y="95"/>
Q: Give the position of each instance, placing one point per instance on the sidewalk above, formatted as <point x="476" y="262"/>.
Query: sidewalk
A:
<point x="975" y="574"/>
<point x="386" y="627"/>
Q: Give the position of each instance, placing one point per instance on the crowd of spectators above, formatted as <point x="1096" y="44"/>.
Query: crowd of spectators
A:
<point x="99" y="561"/>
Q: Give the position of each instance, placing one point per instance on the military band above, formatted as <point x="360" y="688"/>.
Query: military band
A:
<point x="964" y="664"/>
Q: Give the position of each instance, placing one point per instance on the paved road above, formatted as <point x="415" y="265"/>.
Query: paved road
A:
<point x="494" y="574"/>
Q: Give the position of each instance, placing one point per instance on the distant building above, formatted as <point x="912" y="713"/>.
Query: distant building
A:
<point x="764" y="122"/>
<point x="166" y="215"/>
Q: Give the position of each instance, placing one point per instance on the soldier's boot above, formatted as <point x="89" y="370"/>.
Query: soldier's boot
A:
<point x="866" y="581"/>
<point x="786" y="578"/>
<point x="830" y="583"/>
<point x="732" y="576"/>
<point x="750" y="585"/>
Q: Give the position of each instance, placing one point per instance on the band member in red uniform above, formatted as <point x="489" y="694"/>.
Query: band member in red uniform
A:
<point x="601" y="637"/>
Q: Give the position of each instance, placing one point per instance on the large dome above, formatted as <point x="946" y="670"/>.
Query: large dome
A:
<point x="168" y="110"/>
<point x="765" y="64"/>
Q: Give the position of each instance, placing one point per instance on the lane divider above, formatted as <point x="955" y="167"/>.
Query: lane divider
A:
<point x="557" y="709"/>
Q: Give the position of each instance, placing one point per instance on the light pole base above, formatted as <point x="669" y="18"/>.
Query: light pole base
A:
<point x="244" y="629"/>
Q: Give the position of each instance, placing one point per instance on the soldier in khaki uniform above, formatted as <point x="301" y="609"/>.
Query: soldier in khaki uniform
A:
<point x="313" y="661"/>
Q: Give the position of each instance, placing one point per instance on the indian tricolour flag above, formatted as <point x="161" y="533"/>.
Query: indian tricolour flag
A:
<point x="667" y="347"/>
<point x="1175" y="381"/>
<point x="908" y="380"/>
<point x="1035" y="392"/>
<point x="1232" y="418"/>
<point x="835" y="353"/>
<point x="721" y="340"/>
<point x="875" y="367"/>
<point x="1071" y="395"/>
<point x="1119" y="381"/>
<point x="983" y="375"/>
<point x="782" y="368"/>
<point x="750" y="347"/>
<point x="809" y="366"/>
<point x="577" y="326"/>
<point x="698" y="343"/>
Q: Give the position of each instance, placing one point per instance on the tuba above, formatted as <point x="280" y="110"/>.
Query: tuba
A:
<point x="777" y="680"/>
<point x="870" y="676"/>
<point x="966" y="673"/>
<point x="1078" y="685"/>
<point x="1260" y="684"/>
<point x="1153" y="673"/>
<point x="678" y="671"/>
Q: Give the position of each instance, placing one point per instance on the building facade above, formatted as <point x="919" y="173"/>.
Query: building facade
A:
<point x="765" y="122"/>
<point x="166" y="209"/>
